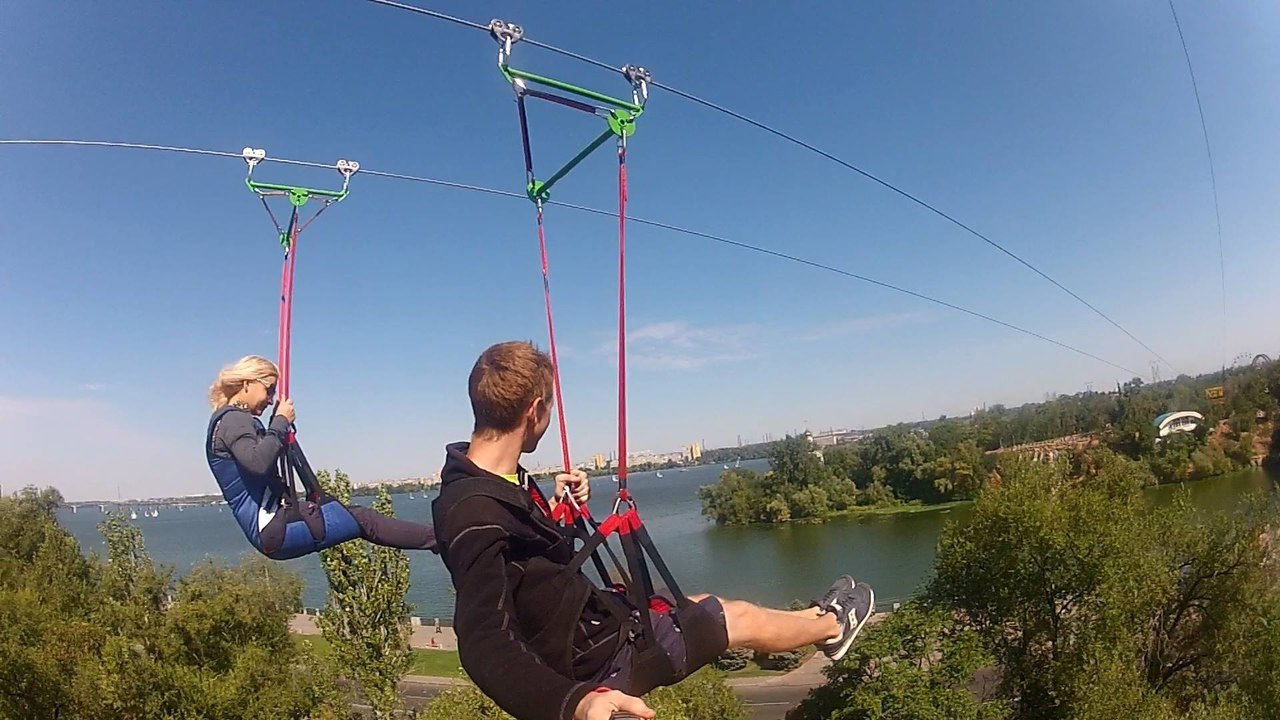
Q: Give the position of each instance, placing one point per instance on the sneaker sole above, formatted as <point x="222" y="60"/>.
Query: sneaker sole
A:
<point x="848" y="642"/>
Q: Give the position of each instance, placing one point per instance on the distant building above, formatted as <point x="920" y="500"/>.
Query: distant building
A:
<point x="827" y="438"/>
<point x="598" y="462"/>
<point x="1175" y="422"/>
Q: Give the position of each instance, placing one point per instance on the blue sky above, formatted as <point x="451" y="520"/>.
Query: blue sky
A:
<point x="1066" y="131"/>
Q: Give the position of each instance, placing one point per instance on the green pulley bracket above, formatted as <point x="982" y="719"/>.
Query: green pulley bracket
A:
<point x="619" y="115"/>
<point x="298" y="196"/>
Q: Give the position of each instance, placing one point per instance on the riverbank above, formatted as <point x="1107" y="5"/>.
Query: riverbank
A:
<point x="901" y="509"/>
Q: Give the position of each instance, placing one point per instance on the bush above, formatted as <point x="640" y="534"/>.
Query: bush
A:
<point x="780" y="661"/>
<point x="701" y="696"/>
<point x="733" y="659"/>
<point x="465" y="702"/>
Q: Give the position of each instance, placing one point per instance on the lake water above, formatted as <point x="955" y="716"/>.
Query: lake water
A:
<point x="771" y="565"/>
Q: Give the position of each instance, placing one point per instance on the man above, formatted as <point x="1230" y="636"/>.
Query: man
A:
<point x="546" y="643"/>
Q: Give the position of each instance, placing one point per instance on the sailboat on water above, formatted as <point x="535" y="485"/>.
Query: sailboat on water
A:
<point x="133" y="514"/>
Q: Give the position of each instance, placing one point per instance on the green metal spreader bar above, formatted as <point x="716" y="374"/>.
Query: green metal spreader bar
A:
<point x="298" y="196"/>
<point x="511" y="73"/>
<point x="541" y="189"/>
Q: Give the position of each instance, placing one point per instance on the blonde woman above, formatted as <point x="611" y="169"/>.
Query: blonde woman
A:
<point x="244" y="457"/>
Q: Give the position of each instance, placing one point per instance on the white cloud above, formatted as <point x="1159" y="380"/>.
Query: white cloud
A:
<point x="868" y="323"/>
<point x="86" y="448"/>
<point x="678" y="345"/>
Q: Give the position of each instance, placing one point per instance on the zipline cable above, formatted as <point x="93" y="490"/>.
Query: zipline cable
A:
<point x="812" y="148"/>
<point x="593" y="211"/>
<point x="1213" y="181"/>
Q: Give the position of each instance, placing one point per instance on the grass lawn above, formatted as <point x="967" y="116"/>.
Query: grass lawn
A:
<point x="435" y="663"/>
<point x="444" y="663"/>
<point x="902" y="509"/>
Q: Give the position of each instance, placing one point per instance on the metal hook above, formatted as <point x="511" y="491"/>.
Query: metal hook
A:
<point x="253" y="156"/>
<point x="639" y="78"/>
<point x="507" y="34"/>
<point x="347" y="168"/>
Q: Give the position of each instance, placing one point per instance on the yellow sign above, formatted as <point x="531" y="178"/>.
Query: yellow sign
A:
<point x="1215" y="393"/>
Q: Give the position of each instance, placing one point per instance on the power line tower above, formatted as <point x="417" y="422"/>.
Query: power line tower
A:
<point x="1155" y="372"/>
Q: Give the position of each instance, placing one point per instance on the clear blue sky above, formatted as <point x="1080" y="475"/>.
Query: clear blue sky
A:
<point x="1066" y="131"/>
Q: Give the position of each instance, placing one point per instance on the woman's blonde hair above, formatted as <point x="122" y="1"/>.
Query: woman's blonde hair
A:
<point x="233" y="377"/>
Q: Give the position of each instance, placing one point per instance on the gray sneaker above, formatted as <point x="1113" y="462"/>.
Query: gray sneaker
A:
<point x="843" y="584"/>
<point x="853" y="606"/>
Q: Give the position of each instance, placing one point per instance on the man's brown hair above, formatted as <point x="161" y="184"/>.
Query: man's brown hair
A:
<point x="504" y="381"/>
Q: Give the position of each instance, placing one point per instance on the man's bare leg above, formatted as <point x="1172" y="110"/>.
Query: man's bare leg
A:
<point x="767" y="630"/>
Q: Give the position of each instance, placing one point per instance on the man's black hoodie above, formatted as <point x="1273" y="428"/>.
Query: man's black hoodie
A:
<point x="532" y="637"/>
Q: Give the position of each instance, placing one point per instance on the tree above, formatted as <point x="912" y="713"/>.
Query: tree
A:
<point x="915" y="665"/>
<point x="795" y="464"/>
<point x="701" y="696"/>
<point x="366" y="618"/>
<point x="87" y="638"/>
<point x="1066" y="576"/>
<point x="734" y="499"/>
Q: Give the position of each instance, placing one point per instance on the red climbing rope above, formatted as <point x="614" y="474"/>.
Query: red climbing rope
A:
<point x="551" y="339"/>
<point x="622" y="316"/>
<point x="286" y="308"/>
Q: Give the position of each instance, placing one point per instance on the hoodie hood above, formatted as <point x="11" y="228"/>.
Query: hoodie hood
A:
<point x="459" y="467"/>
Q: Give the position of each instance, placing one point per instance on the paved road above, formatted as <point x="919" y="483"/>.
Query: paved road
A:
<point x="768" y="698"/>
<point x="764" y="702"/>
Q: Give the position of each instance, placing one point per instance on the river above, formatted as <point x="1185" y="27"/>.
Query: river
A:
<point x="764" y="564"/>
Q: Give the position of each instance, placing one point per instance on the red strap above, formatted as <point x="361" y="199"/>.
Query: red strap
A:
<point x="539" y="501"/>
<point x="623" y="524"/>
<point x="563" y="513"/>
<point x="659" y="604"/>
<point x="610" y="525"/>
<point x="622" y="317"/>
<point x="551" y="337"/>
<point x="566" y="513"/>
<point x="286" y="308"/>
<point x="285" y="332"/>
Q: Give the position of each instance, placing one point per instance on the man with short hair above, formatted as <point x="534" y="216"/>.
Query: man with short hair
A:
<point x="543" y="641"/>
